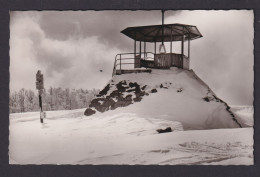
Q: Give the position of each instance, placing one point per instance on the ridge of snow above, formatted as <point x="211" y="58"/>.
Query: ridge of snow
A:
<point x="182" y="96"/>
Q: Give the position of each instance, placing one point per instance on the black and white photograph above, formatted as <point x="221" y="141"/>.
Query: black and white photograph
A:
<point x="121" y="87"/>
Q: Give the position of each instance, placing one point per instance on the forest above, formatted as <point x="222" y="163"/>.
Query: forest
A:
<point x="26" y="100"/>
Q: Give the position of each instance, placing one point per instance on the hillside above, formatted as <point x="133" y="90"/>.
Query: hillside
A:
<point x="69" y="137"/>
<point x="175" y="94"/>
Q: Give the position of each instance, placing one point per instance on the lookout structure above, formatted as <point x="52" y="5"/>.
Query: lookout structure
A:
<point x="143" y="60"/>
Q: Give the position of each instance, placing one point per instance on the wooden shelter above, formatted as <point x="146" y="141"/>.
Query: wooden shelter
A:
<point x="158" y="35"/>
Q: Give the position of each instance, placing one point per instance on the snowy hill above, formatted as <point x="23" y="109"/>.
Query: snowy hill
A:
<point x="123" y="122"/>
<point x="176" y="94"/>
<point x="69" y="137"/>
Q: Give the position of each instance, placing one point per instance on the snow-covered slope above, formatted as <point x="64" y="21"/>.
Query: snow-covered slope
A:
<point x="69" y="137"/>
<point x="175" y="94"/>
<point x="244" y="114"/>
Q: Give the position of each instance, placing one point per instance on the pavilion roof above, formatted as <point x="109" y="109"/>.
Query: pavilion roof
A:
<point x="153" y="33"/>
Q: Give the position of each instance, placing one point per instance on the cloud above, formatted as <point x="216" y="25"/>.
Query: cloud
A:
<point x="71" y="47"/>
<point x="106" y="25"/>
<point x="74" y="62"/>
<point x="224" y="56"/>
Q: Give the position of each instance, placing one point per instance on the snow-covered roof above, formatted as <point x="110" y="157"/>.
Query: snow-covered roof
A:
<point x="171" y="32"/>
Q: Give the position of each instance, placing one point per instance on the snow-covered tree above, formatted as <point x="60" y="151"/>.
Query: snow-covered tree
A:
<point x="53" y="99"/>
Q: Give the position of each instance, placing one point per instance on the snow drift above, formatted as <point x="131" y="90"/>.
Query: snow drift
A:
<point x="175" y="94"/>
<point x="69" y="137"/>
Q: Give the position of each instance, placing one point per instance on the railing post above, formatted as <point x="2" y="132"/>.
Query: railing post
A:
<point x="144" y="50"/>
<point x="189" y="48"/>
<point x="120" y="62"/>
<point x="182" y="49"/>
<point x="135" y="49"/>
<point x="140" y="48"/>
<point x="154" y="47"/>
<point x="171" y="40"/>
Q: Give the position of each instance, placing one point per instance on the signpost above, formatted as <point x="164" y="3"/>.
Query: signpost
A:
<point x="40" y="87"/>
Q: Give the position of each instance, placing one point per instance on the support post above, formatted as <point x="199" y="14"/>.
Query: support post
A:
<point x="120" y="62"/>
<point x="182" y="50"/>
<point x="189" y="48"/>
<point x="171" y="47"/>
<point x="162" y="27"/>
<point x="144" y="50"/>
<point x="182" y="45"/>
<point x="140" y="48"/>
<point x="171" y="40"/>
<point x="40" y="87"/>
<point x="135" y="49"/>
<point x="40" y="103"/>
<point x="154" y="47"/>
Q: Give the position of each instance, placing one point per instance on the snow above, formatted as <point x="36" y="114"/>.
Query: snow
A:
<point x="69" y="137"/>
<point x="204" y="133"/>
<point x="187" y="107"/>
<point x="244" y="114"/>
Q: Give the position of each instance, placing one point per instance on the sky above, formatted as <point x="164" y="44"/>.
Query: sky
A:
<point x="71" y="47"/>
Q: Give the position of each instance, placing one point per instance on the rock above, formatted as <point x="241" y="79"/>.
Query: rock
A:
<point x="137" y="99"/>
<point x="143" y="87"/>
<point x="116" y="98"/>
<point x="168" y="129"/>
<point x="179" y="90"/>
<point x="104" y="91"/>
<point x="137" y="89"/>
<point x="133" y="84"/>
<point x="89" y="112"/>
<point x="115" y="94"/>
<point x="122" y="102"/>
<point x="153" y="91"/>
<point x="130" y="90"/>
<point x="120" y="86"/>
<point x="206" y="99"/>
<point x="109" y="102"/>
<point x="95" y="102"/>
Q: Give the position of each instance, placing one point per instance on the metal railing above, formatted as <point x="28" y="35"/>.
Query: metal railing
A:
<point x="122" y="57"/>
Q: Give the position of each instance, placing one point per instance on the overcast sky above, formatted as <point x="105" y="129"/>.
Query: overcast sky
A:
<point x="71" y="47"/>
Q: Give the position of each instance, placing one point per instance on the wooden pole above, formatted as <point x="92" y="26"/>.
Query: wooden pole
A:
<point x="171" y="40"/>
<point x="135" y="49"/>
<point x="144" y="50"/>
<point x="40" y="103"/>
<point x="182" y="45"/>
<point x="120" y="62"/>
<point x="140" y="48"/>
<point x="162" y="27"/>
<point x="182" y="50"/>
<point x="40" y="87"/>
<point x="154" y="47"/>
<point x="189" y="48"/>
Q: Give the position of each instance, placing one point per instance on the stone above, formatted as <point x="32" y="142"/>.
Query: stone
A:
<point x="153" y="91"/>
<point x="168" y="129"/>
<point x="104" y="91"/>
<point x="89" y="112"/>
